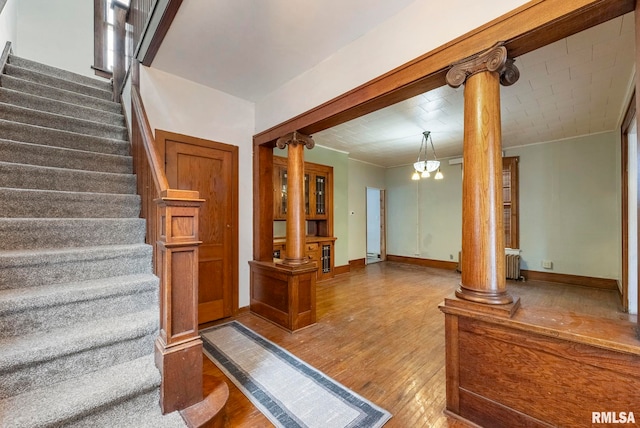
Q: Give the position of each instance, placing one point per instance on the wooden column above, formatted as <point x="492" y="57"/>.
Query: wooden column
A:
<point x="285" y="292"/>
<point x="295" y="254"/>
<point x="483" y="254"/>
<point x="178" y="353"/>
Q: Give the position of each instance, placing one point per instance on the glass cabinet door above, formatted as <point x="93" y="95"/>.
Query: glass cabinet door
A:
<point x="283" y="191"/>
<point x="306" y="194"/>
<point x="321" y="195"/>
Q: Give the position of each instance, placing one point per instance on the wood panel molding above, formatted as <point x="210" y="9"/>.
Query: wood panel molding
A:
<point x="168" y="14"/>
<point x="585" y="281"/>
<point x="550" y="362"/>
<point x="357" y="263"/>
<point x="339" y="270"/>
<point x="438" y="264"/>
<point x="284" y="295"/>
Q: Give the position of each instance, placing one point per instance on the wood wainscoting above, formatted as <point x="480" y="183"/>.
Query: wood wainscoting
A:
<point x="538" y="368"/>
<point x="284" y="295"/>
<point x="583" y="281"/>
<point x="439" y="264"/>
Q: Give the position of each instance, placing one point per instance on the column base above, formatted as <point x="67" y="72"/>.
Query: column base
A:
<point x="294" y="262"/>
<point x="489" y="298"/>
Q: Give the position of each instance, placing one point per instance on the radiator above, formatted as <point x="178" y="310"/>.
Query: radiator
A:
<point x="512" y="263"/>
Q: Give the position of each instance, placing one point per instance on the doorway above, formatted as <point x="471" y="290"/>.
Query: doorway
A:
<point x="211" y="168"/>
<point x="376" y="242"/>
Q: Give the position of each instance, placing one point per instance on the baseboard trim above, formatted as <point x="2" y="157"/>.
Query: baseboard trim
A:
<point x="439" y="264"/>
<point x="357" y="263"/>
<point x="339" y="270"/>
<point x="584" y="281"/>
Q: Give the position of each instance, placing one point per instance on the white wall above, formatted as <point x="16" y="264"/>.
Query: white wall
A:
<point x="569" y="205"/>
<point x="419" y="28"/>
<point x="178" y="105"/>
<point x="425" y="216"/>
<point x="8" y="24"/>
<point x="361" y="176"/>
<point x="632" y="215"/>
<point x="58" y="33"/>
<point x="569" y="208"/>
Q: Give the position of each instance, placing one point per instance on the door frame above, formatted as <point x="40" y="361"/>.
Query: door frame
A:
<point x="161" y="141"/>
<point x="381" y="227"/>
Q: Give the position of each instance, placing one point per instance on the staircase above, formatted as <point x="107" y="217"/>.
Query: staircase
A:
<point x="78" y="302"/>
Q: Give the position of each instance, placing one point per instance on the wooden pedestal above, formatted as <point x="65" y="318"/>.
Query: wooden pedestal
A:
<point x="284" y="295"/>
<point x="538" y="369"/>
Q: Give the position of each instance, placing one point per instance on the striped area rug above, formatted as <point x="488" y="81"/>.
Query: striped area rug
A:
<point x="287" y="390"/>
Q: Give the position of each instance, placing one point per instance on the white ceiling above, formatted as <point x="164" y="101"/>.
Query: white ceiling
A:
<point x="576" y="86"/>
<point x="573" y="87"/>
<point x="249" y="48"/>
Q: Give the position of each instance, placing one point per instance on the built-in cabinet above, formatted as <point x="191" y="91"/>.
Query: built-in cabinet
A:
<point x="318" y="197"/>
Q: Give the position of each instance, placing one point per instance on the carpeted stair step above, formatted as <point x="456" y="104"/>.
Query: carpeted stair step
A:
<point x="55" y="204"/>
<point x="71" y="401"/>
<point x="16" y="175"/>
<point x="28" y="268"/>
<point x="25" y="310"/>
<point x="40" y="233"/>
<point x="50" y="120"/>
<point x="37" y="154"/>
<point x="45" y="91"/>
<point x="27" y="133"/>
<point x="67" y="85"/>
<point x="34" y="102"/>
<point x="140" y="412"/>
<point x="102" y="84"/>
<point x="35" y="360"/>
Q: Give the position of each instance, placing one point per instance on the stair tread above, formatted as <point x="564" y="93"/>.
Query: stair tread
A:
<point x="35" y="88"/>
<point x="56" y="82"/>
<point x="56" y="106"/>
<point x="62" y="122"/>
<point x="58" y="72"/>
<point x="67" y="192"/>
<point x="67" y="204"/>
<point x="46" y="177"/>
<point x="62" y="157"/>
<point x="19" y="299"/>
<point x="22" y="233"/>
<point x="68" y="400"/>
<point x="26" y="349"/>
<point x="63" y="138"/>
<point x="43" y="169"/>
<point x="9" y="258"/>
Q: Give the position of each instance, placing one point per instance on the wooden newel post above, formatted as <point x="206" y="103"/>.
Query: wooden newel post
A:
<point x="178" y="352"/>
<point x="483" y="253"/>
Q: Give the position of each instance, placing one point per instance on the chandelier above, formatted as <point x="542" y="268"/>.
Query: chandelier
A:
<point x="423" y="167"/>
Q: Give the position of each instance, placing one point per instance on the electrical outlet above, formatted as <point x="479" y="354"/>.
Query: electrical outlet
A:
<point x="547" y="264"/>
<point x="450" y="256"/>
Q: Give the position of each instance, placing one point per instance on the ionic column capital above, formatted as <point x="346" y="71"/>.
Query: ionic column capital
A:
<point x="293" y="139"/>
<point x="493" y="59"/>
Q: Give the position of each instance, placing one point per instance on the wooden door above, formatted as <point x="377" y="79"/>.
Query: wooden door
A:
<point x="211" y="169"/>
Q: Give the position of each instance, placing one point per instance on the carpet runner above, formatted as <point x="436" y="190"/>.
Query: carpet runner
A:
<point x="288" y="391"/>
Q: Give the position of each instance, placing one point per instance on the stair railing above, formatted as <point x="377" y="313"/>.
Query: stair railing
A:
<point x="172" y="228"/>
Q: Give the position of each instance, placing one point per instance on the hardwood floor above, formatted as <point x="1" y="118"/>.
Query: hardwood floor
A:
<point x="380" y="333"/>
